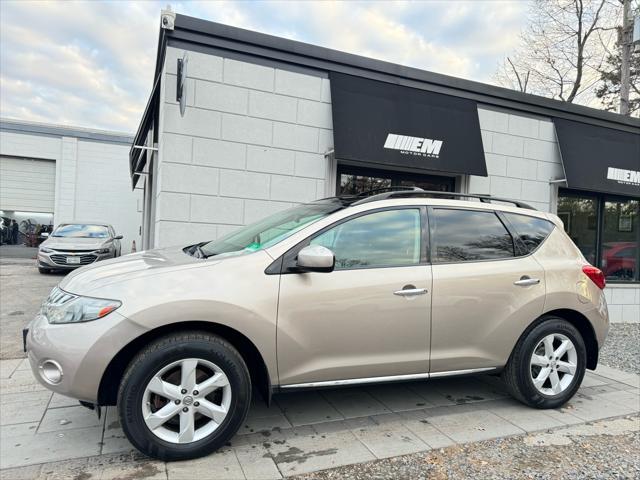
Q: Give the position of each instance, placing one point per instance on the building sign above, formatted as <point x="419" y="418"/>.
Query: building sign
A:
<point x="413" y="145"/>
<point x="387" y="125"/>
<point x="626" y="177"/>
<point x="600" y="159"/>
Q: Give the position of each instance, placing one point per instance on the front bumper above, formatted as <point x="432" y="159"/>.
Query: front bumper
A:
<point x="59" y="259"/>
<point x="81" y="350"/>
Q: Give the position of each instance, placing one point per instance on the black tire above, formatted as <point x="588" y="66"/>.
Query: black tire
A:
<point x="517" y="373"/>
<point x="151" y="360"/>
<point x="44" y="271"/>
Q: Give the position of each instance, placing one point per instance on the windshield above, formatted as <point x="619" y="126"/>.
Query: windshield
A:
<point x="81" y="231"/>
<point x="269" y="231"/>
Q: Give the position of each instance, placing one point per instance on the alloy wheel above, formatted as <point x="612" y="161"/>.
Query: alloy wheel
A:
<point x="553" y="364"/>
<point x="186" y="400"/>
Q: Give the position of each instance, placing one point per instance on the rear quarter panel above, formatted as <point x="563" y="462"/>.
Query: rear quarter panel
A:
<point x="567" y="286"/>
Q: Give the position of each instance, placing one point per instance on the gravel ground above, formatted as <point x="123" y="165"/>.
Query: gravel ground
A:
<point x="622" y="348"/>
<point x="575" y="454"/>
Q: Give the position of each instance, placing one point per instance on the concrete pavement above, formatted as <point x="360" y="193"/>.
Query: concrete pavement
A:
<point x="301" y="432"/>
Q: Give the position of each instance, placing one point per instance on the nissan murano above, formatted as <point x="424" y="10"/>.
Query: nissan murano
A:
<point x="392" y="286"/>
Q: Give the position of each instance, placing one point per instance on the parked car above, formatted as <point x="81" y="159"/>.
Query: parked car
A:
<point x="395" y="286"/>
<point x="72" y="245"/>
<point x="619" y="260"/>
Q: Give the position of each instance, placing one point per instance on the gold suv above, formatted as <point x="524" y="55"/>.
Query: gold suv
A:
<point x="398" y="285"/>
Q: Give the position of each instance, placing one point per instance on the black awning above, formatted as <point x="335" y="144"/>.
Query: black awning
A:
<point x="378" y="123"/>
<point x="598" y="158"/>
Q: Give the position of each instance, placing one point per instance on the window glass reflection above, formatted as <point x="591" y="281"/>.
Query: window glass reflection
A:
<point x="579" y="215"/>
<point x="355" y="184"/>
<point x="381" y="239"/>
<point x="467" y="235"/>
<point x="619" y="240"/>
<point x="532" y="231"/>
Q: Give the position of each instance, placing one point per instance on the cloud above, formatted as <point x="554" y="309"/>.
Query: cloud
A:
<point x="91" y="63"/>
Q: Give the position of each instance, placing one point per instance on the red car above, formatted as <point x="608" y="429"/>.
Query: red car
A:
<point x="619" y="260"/>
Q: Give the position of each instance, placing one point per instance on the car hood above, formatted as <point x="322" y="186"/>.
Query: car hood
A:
<point x="70" y="243"/>
<point x="91" y="278"/>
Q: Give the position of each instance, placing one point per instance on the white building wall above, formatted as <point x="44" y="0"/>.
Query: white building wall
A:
<point x="92" y="179"/>
<point x="522" y="156"/>
<point x="252" y="142"/>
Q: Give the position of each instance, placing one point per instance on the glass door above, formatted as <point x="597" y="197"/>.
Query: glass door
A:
<point x="355" y="180"/>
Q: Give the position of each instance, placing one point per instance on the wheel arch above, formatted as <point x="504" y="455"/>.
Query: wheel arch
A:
<point x="581" y="323"/>
<point x="258" y="370"/>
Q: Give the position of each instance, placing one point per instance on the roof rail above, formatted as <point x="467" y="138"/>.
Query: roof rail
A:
<point x="369" y="193"/>
<point x="418" y="192"/>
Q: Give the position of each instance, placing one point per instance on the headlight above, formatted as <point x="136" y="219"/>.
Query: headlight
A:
<point x="45" y="250"/>
<point x="103" y="250"/>
<point x="63" y="307"/>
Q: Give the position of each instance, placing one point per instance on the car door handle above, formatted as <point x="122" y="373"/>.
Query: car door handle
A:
<point x="410" y="292"/>
<point x="526" y="281"/>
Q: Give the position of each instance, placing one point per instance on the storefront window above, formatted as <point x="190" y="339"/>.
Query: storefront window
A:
<point x="355" y="180"/>
<point x="605" y="229"/>
<point x="579" y="216"/>
<point x="620" y="240"/>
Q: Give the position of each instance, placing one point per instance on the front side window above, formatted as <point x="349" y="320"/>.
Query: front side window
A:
<point x="381" y="239"/>
<point x="81" y="231"/>
<point x="469" y="235"/>
<point x="531" y="231"/>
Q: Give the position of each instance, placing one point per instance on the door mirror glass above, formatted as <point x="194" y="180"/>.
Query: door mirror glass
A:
<point x="316" y="258"/>
<point x="118" y="237"/>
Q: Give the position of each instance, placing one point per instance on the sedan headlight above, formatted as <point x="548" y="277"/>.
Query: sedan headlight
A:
<point x="45" y="250"/>
<point x="63" y="307"/>
<point x="103" y="250"/>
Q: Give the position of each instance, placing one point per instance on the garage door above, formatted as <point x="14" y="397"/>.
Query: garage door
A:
<point x="27" y="185"/>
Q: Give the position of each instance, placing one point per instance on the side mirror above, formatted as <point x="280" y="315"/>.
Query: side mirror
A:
<point x="44" y="234"/>
<point x="316" y="258"/>
<point x="118" y="237"/>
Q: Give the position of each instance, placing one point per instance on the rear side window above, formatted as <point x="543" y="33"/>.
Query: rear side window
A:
<point x="469" y="235"/>
<point x="531" y="231"/>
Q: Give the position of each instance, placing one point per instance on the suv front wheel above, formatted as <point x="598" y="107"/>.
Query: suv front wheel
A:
<point x="184" y="396"/>
<point x="547" y="365"/>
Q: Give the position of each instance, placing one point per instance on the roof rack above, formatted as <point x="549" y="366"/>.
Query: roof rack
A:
<point x="394" y="192"/>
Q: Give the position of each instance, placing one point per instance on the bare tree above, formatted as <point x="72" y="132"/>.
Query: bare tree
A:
<point x="562" y="49"/>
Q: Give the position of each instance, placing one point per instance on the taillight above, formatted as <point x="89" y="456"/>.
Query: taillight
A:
<point x="596" y="275"/>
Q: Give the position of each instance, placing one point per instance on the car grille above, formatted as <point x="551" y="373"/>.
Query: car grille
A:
<point x="85" y="259"/>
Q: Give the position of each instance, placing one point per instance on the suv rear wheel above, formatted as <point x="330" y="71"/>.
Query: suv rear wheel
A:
<point x="547" y="365"/>
<point x="184" y="396"/>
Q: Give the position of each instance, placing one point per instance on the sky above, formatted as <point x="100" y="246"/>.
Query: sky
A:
<point x="90" y="64"/>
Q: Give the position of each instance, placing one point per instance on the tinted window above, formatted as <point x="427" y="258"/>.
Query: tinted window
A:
<point x="466" y="235"/>
<point x="381" y="239"/>
<point x="531" y="230"/>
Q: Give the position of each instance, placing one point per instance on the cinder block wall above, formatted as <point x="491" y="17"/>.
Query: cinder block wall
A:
<point x="252" y="142"/>
<point x="522" y="156"/>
